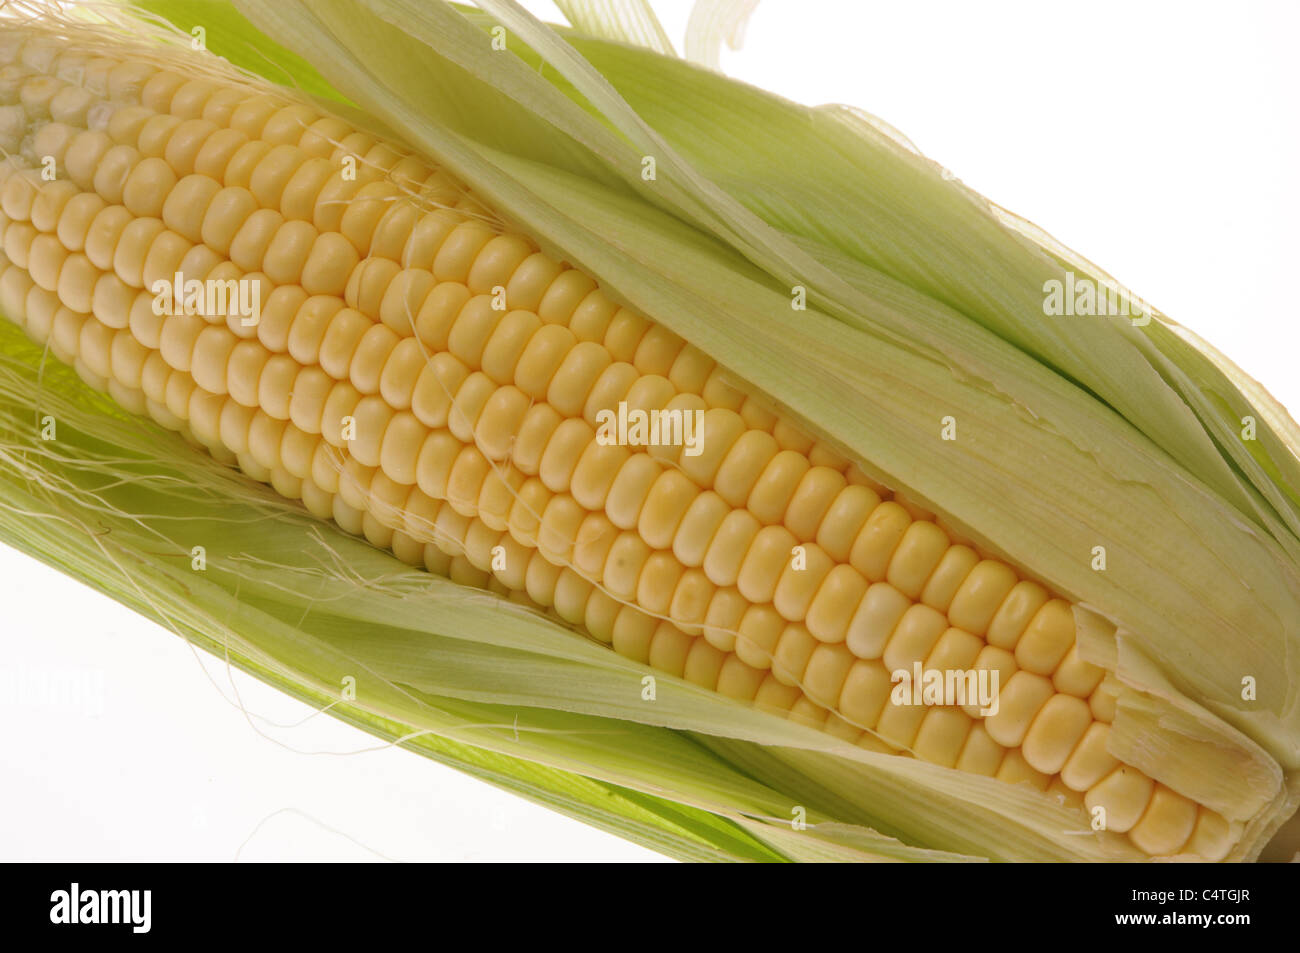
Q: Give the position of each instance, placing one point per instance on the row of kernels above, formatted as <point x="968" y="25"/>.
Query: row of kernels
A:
<point x="258" y="117"/>
<point x="278" y="177"/>
<point x="534" y="282"/>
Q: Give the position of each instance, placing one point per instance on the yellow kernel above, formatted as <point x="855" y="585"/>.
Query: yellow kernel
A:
<point x="1056" y="730"/>
<point x="1018" y="702"/>
<point x="878" y="613"/>
<point x="1047" y="639"/>
<point x="980" y="595"/>
<point x="1123" y="794"/>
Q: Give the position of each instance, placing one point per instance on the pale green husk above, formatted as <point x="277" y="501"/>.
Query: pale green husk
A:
<point x="924" y="301"/>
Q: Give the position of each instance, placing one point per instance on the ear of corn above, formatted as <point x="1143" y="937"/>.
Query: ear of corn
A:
<point x="476" y="432"/>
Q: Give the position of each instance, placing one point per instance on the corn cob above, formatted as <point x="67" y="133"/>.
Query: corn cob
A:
<point x="385" y="386"/>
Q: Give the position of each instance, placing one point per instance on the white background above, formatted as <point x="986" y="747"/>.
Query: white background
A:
<point x="1159" y="139"/>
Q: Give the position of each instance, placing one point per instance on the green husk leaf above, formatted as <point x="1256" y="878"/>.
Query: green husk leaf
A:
<point x="713" y="23"/>
<point x="626" y="21"/>
<point x="225" y="30"/>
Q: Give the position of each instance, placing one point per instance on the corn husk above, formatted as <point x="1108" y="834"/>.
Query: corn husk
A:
<point x="924" y="301"/>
